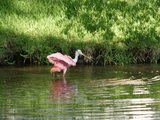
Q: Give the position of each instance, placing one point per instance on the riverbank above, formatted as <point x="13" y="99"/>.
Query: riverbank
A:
<point x="111" y="32"/>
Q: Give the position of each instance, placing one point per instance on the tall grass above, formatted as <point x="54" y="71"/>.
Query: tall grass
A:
<point x="110" y="31"/>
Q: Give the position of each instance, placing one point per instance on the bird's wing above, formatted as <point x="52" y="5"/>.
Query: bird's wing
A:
<point x="58" y="57"/>
<point x="70" y="60"/>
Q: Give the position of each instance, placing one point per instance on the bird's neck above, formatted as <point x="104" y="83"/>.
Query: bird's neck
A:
<point x="76" y="57"/>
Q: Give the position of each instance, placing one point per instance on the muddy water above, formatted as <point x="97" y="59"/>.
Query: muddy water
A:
<point x="87" y="93"/>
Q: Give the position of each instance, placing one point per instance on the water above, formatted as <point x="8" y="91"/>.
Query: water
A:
<point x="88" y="93"/>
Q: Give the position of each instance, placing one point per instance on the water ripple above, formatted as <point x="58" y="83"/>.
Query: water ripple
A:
<point x="109" y="95"/>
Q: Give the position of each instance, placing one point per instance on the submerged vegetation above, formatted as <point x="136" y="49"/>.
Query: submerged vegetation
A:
<point x="110" y="31"/>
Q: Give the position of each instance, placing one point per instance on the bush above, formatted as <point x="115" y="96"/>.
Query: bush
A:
<point x="112" y="32"/>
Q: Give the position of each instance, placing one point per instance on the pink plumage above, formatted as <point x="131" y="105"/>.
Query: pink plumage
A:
<point x="59" y="58"/>
<point x="62" y="62"/>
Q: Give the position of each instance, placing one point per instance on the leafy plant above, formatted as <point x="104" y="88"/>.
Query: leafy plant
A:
<point x="110" y="31"/>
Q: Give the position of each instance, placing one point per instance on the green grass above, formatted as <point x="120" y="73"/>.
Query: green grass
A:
<point x="112" y="32"/>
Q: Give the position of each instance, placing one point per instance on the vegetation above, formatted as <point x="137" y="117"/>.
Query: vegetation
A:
<point x="110" y="31"/>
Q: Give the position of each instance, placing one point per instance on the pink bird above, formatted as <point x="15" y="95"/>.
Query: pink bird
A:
<point x="62" y="62"/>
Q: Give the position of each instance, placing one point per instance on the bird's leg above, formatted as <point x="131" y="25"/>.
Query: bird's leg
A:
<point x="64" y="72"/>
<point x="51" y="71"/>
<point x="64" y="81"/>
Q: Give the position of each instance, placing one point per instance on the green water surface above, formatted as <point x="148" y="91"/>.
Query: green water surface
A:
<point x="87" y="93"/>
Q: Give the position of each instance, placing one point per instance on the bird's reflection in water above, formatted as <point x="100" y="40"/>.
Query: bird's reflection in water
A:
<point x="62" y="91"/>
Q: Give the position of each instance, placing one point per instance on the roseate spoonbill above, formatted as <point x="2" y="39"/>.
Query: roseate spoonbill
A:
<point x="62" y="62"/>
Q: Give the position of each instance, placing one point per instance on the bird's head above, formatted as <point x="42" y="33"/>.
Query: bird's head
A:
<point x="80" y="52"/>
